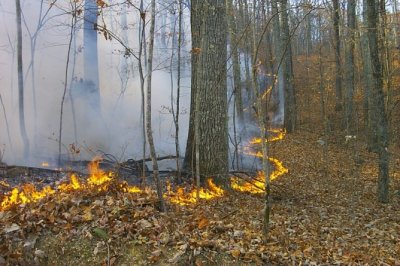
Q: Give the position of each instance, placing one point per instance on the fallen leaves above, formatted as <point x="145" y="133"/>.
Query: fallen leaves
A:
<point x="316" y="219"/>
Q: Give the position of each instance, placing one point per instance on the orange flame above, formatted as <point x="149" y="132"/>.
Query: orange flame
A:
<point x="186" y="198"/>
<point x="258" y="184"/>
<point x="100" y="180"/>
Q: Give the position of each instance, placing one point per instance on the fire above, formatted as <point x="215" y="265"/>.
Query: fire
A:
<point x="279" y="135"/>
<point x="186" y="198"/>
<point x="100" y="181"/>
<point x="45" y="164"/>
<point x="97" y="179"/>
<point x="27" y="194"/>
<point x="97" y="176"/>
<point x="256" y="185"/>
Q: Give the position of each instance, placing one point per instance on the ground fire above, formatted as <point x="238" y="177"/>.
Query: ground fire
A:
<point x="100" y="180"/>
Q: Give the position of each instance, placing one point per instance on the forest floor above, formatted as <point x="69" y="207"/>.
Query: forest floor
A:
<point x="324" y="212"/>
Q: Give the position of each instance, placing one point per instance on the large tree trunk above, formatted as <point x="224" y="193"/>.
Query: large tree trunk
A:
<point x="24" y="135"/>
<point x="351" y="27"/>
<point x="212" y="92"/>
<point x="338" y="74"/>
<point x="378" y="104"/>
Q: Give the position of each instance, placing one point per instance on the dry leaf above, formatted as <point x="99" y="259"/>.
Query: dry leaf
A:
<point x="11" y="228"/>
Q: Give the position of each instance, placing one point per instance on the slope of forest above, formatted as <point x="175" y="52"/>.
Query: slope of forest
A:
<point x="324" y="212"/>
<point x="325" y="206"/>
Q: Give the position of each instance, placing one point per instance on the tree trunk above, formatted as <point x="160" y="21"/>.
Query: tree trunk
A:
<point x="279" y="89"/>
<point x="367" y="84"/>
<point x="290" y="98"/>
<point x="195" y="24"/>
<point x="338" y="70"/>
<point x="212" y="92"/>
<point x="24" y="135"/>
<point x="148" y="109"/>
<point x="351" y="27"/>
<point x="235" y="60"/>
<point x="90" y="60"/>
<point x="378" y="104"/>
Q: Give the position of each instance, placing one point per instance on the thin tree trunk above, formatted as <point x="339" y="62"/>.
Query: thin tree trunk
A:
<point x="351" y="27"/>
<point x="235" y="60"/>
<point x="148" y="109"/>
<point x="178" y="91"/>
<point x="338" y="67"/>
<point x="73" y="22"/>
<point x="195" y="24"/>
<point x="6" y="120"/>
<point x="21" y="82"/>
<point x="290" y="98"/>
<point x="142" y="42"/>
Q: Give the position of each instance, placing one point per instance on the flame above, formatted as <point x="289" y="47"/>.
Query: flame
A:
<point x="100" y="180"/>
<point x="45" y="164"/>
<point x="279" y="135"/>
<point x="97" y="176"/>
<point x="27" y="194"/>
<point x="182" y="197"/>
<point x="257" y="185"/>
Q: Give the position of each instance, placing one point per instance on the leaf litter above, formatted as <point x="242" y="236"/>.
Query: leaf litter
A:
<point x="328" y="217"/>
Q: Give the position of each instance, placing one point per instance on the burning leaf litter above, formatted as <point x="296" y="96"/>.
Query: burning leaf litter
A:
<point x="100" y="181"/>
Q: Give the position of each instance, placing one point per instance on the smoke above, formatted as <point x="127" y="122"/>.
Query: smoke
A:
<point x="114" y="129"/>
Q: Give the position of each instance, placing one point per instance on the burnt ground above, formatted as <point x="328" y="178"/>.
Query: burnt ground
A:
<point x="324" y="211"/>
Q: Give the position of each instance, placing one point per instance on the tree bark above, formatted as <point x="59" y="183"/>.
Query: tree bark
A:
<point x="148" y="109"/>
<point x="290" y="98"/>
<point x="235" y="60"/>
<point x="195" y="24"/>
<point x="24" y="135"/>
<point x="338" y="67"/>
<point x="378" y="104"/>
<point x="351" y="27"/>
<point x="212" y="92"/>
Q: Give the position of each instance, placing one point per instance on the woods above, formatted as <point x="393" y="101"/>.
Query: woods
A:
<point x="261" y="123"/>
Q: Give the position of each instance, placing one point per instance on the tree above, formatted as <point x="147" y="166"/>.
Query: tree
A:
<point x="210" y="87"/>
<point x="148" y="108"/>
<point x="21" y="81"/>
<point x="90" y="54"/>
<point x="377" y="104"/>
<point x="235" y="60"/>
<point x="349" y="65"/>
<point x="338" y="67"/>
<point x="290" y="98"/>
<point x="195" y="21"/>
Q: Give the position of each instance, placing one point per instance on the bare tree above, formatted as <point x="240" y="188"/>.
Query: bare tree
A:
<point x="349" y="76"/>
<point x="21" y="81"/>
<point x="378" y="104"/>
<point x="72" y="29"/>
<point x="338" y="66"/>
<point x="148" y="108"/>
